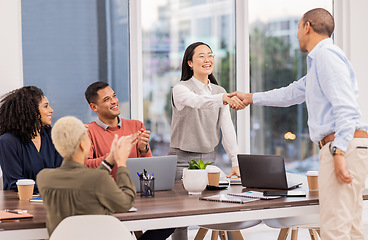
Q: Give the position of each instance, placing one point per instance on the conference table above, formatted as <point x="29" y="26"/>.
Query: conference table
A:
<point x="173" y="208"/>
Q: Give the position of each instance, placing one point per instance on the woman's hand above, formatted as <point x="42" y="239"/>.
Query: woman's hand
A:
<point x="234" y="102"/>
<point x="234" y="172"/>
<point x="123" y="148"/>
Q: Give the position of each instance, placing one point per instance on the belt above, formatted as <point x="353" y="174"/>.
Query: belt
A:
<point x="330" y="137"/>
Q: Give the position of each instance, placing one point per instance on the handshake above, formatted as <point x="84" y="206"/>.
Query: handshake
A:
<point x="237" y="100"/>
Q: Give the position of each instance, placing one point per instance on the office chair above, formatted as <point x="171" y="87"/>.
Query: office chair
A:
<point x="91" y="227"/>
<point x="222" y="230"/>
<point x="310" y="222"/>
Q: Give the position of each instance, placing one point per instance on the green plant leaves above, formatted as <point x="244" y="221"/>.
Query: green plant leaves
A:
<point x="193" y="164"/>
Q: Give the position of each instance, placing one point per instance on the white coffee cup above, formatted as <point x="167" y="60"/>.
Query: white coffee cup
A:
<point x="25" y="188"/>
<point x="312" y="177"/>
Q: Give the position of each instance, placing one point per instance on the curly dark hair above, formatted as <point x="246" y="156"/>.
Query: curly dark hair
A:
<point x="20" y="114"/>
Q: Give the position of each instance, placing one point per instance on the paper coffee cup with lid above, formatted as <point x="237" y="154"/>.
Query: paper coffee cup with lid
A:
<point x="312" y="177"/>
<point x="25" y="188"/>
<point x="213" y="176"/>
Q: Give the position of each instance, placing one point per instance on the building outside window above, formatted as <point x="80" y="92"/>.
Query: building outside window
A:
<point x="169" y="26"/>
<point x="276" y="61"/>
<point x="69" y="44"/>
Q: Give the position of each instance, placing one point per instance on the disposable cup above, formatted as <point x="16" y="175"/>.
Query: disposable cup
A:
<point x="312" y="177"/>
<point x="213" y="178"/>
<point x="25" y="188"/>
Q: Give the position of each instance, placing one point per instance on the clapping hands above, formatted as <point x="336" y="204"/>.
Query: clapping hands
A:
<point x="121" y="148"/>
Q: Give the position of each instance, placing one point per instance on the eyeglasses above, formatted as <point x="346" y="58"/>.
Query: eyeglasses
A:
<point x="208" y="56"/>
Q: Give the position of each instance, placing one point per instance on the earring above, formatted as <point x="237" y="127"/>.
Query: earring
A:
<point x="191" y="68"/>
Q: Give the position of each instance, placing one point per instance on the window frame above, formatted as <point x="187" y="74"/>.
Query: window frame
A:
<point x="11" y="64"/>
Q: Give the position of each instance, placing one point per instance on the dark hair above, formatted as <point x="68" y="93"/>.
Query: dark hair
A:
<point x="186" y="71"/>
<point x="320" y="20"/>
<point x="20" y="114"/>
<point x="91" y="92"/>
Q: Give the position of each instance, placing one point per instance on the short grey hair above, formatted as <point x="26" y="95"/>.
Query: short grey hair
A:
<point x="67" y="134"/>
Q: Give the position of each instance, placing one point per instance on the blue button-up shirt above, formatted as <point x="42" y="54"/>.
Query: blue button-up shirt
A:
<point x="330" y="91"/>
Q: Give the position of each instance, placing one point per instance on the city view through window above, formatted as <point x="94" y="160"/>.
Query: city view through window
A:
<point x="169" y="26"/>
<point x="78" y="43"/>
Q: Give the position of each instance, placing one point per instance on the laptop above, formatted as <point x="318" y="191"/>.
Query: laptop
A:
<point x="163" y="167"/>
<point x="264" y="171"/>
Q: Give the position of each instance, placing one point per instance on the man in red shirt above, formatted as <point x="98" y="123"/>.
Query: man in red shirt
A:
<point x="103" y="100"/>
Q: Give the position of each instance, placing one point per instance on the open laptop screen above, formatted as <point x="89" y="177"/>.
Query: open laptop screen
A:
<point x="163" y="167"/>
<point x="263" y="171"/>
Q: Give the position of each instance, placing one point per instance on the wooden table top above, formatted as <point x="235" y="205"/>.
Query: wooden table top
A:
<point x="171" y="203"/>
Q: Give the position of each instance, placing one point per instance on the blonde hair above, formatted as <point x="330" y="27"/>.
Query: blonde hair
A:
<point x="67" y="134"/>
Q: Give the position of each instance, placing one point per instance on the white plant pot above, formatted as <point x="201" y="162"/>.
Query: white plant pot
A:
<point x="195" y="180"/>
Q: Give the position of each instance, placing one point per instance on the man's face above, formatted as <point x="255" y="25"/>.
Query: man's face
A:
<point x="107" y="104"/>
<point x="302" y="36"/>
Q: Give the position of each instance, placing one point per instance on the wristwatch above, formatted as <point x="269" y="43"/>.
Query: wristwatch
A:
<point x="145" y="150"/>
<point x="335" y="151"/>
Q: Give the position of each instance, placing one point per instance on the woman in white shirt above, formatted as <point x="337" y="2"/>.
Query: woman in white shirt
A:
<point x="200" y="112"/>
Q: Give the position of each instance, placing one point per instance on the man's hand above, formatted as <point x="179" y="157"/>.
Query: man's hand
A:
<point x="246" y="98"/>
<point x="234" y="102"/>
<point x="234" y="172"/>
<point x="342" y="174"/>
<point x="143" y="140"/>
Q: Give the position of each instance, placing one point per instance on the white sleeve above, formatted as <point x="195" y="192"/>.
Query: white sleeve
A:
<point x="184" y="97"/>
<point x="229" y="136"/>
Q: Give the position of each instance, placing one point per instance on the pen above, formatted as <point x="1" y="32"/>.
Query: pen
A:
<point x="13" y="211"/>
<point x="153" y="173"/>
<point x="139" y="175"/>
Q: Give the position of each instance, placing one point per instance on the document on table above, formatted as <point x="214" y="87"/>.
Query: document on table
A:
<point x="227" y="198"/>
<point x="253" y="195"/>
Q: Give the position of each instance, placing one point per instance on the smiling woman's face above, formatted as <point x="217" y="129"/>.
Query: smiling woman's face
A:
<point x="202" y="61"/>
<point x="45" y="111"/>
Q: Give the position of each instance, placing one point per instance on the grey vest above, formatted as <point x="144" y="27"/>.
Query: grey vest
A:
<point x="196" y="130"/>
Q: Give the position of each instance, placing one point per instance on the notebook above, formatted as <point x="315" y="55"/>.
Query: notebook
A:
<point x="264" y="171"/>
<point x="4" y="215"/>
<point x="163" y="167"/>
<point x="228" y="198"/>
<point x="36" y="199"/>
<point x="253" y="195"/>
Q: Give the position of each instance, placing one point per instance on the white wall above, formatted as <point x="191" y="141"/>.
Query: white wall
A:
<point x="359" y="50"/>
<point x="11" y="73"/>
<point x="351" y="35"/>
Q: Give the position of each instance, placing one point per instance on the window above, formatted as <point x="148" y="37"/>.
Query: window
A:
<point x="169" y="26"/>
<point x="69" y="44"/>
<point x="276" y="61"/>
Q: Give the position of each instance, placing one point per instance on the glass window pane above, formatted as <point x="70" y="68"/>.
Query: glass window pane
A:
<point x="276" y="61"/>
<point x="69" y="44"/>
<point x="169" y="26"/>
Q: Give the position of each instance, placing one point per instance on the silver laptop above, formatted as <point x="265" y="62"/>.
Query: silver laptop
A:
<point x="264" y="171"/>
<point x="163" y="167"/>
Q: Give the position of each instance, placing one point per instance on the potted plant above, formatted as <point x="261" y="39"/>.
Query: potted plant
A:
<point x="195" y="177"/>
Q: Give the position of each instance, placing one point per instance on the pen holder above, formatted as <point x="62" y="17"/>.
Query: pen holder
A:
<point x="147" y="187"/>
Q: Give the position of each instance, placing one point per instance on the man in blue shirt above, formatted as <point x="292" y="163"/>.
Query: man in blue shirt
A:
<point x="330" y="91"/>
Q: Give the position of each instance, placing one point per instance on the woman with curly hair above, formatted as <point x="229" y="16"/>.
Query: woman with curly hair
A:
<point x="25" y="140"/>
